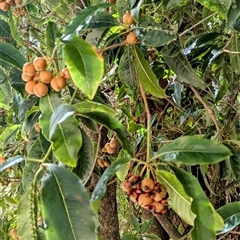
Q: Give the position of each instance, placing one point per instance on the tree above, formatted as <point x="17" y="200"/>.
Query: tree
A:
<point x="119" y="120"/>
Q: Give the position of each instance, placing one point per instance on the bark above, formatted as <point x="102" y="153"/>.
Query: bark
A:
<point x="108" y="214"/>
<point x="156" y="227"/>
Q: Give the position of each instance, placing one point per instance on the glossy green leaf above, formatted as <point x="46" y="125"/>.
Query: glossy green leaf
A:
<point x="85" y="66"/>
<point x="179" y="201"/>
<point x="5" y="88"/>
<point x="86" y="158"/>
<point x="233" y="15"/>
<point x="178" y="62"/>
<point x="66" y="138"/>
<point x="66" y="208"/>
<point x="11" y="162"/>
<point x="127" y="73"/>
<point x="136" y="8"/>
<point x="11" y="55"/>
<point x="146" y="226"/>
<point x="204" y="225"/>
<point x="5" y="31"/>
<point x="27" y="214"/>
<point x="153" y="34"/>
<point x="51" y="35"/>
<point x="100" y="189"/>
<point x="220" y="6"/>
<point x="123" y="171"/>
<point x="9" y="134"/>
<point x="122" y="7"/>
<point x="193" y="150"/>
<point x="146" y="76"/>
<point x="90" y="18"/>
<point x="235" y="160"/>
<point x="231" y="216"/>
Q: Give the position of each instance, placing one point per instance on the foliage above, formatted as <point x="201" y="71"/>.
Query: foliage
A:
<point x="170" y="100"/>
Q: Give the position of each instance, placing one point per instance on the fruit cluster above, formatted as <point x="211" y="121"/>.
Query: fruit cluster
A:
<point x="37" y="78"/>
<point x="6" y="4"/>
<point x="102" y="163"/>
<point x="19" y="12"/>
<point x="110" y="147"/>
<point x="146" y="192"/>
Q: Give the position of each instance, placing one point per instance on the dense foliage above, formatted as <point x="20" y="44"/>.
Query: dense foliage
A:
<point x="153" y="93"/>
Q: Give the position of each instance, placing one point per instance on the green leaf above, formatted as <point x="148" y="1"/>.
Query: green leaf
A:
<point x="151" y="236"/>
<point x="27" y="214"/>
<point x="135" y="9"/>
<point x="5" y="31"/>
<point x="11" y="55"/>
<point x="171" y="3"/>
<point x="179" y="201"/>
<point x="66" y="138"/>
<point x="127" y="74"/>
<point x="152" y="33"/>
<point x="235" y="58"/>
<point x="66" y="208"/>
<point x="11" y="162"/>
<point x="178" y="62"/>
<point x="231" y="216"/>
<point x="220" y="6"/>
<point x="86" y="158"/>
<point x="135" y="223"/>
<point x="235" y="161"/>
<point x="123" y="171"/>
<point x="100" y="189"/>
<point x="51" y="35"/>
<point x="193" y="150"/>
<point x="90" y="18"/>
<point x="146" y="226"/>
<point x="204" y="225"/>
<point x="146" y="76"/>
<point x="9" y="134"/>
<point x="122" y="7"/>
<point x="129" y="237"/>
<point x="85" y="66"/>
<point x="233" y="14"/>
<point x="5" y="89"/>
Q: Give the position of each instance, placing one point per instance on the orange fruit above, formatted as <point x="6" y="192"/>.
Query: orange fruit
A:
<point x="58" y="83"/>
<point x="46" y="76"/>
<point x="40" y="89"/>
<point x="131" y="38"/>
<point x="37" y="127"/>
<point x="65" y="73"/>
<point x="127" y="19"/>
<point x="40" y="64"/>
<point x="28" y="69"/>
<point x="26" y="78"/>
<point x="29" y="87"/>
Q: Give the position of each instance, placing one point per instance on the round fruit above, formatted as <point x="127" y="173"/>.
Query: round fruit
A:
<point x="18" y="1"/>
<point x="147" y="185"/>
<point x="113" y="143"/>
<point x="104" y="150"/>
<point x="157" y="197"/>
<point x="65" y="73"/>
<point x="144" y="199"/>
<point x="36" y="77"/>
<point x="106" y="164"/>
<point x="126" y="186"/>
<point x="131" y="38"/>
<point x="29" y="87"/>
<point x="2" y="160"/>
<point x="4" y="6"/>
<point x="134" y="181"/>
<point x="133" y="198"/>
<point x="10" y="2"/>
<point x="100" y="163"/>
<point x="26" y="78"/>
<point x="28" y="69"/>
<point x="40" y="64"/>
<point x="40" y="89"/>
<point x="37" y="127"/>
<point x="46" y="76"/>
<point x="157" y="207"/>
<point x="127" y="19"/>
<point x="110" y="150"/>
<point x="58" y="83"/>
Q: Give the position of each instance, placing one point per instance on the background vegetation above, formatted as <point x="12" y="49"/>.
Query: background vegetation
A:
<point x="162" y="88"/>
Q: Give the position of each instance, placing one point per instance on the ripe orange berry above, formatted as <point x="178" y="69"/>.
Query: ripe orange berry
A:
<point x="157" y="207"/>
<point x="26" y="78"/>
<point x="147" y="185"/>
<point x="40" y="89"/>
<point x="28" y="69"/>
<point x="46" y="76"/>
<point x="18" y="1"/>
<point x="110" y="150"/>
<point x="157" y="197"/>
<point x="36" y="77"/>
<point x="10" y="2"/>
<point x="126" y="187"/>
<point x="37" y="127"/>
<point x="131" y="38"/>
<point x="65" y="73"/>
<point x="113" y="143"/>
<point x="127" y="19"/>
<point x="39" y="64"/>
<point x="133" y="198"/>
<point x="4" y="6"/>
<point x="29" y="87"/>
<point x="58" y="83"/>
<point x="144" y="199"/>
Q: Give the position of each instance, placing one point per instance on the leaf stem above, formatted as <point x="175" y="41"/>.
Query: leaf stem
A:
<point x="113" y="46"/>
<point x="148" y="122"/>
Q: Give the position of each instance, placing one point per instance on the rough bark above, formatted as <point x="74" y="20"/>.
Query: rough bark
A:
<point x="156" y="227"/>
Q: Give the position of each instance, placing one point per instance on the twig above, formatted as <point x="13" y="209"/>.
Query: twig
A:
<point x="113" y="46"/>
<point x="96" y="156"/>
<point x="210" y="111"/>
<point x="231" y="52"/>
<point x="195" y="25"/>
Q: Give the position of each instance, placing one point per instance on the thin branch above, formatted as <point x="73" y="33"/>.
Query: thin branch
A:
<point x="96" y="156"/>
<point x="195" y="25"/>
<point x="113" y="46"/>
